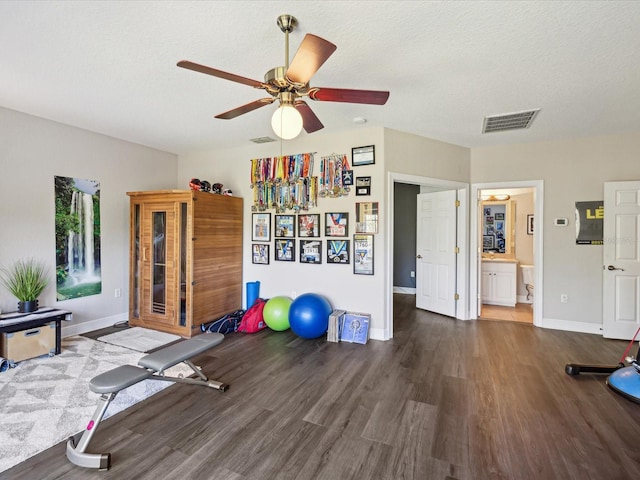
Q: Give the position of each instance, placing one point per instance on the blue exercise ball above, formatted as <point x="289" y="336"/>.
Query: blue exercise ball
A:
<point x="309" y="315"/>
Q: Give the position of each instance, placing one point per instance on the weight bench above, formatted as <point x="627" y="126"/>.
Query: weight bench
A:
<point x="152" y="366"/>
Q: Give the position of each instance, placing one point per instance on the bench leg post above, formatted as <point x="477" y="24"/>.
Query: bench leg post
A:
<point x="77" y="453"/>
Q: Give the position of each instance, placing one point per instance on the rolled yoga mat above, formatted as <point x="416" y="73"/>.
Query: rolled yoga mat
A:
<point x="253" y="292"/>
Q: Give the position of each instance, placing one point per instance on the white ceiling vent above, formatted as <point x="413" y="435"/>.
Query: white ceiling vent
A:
<point x="509" y="121"/>
<point x="263" y="140"/>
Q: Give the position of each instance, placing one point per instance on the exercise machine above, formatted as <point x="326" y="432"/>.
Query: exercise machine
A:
<point x="152" y="366"/>
<point x="622" y="379"/>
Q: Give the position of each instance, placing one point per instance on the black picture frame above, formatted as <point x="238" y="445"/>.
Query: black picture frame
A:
<point x="261" y="227"/>
<point x="336" y="224"/>
<point x="338" y="252"/>
<point x="260" y="253"/>
<point x="488" y="241"/>
<point x="285" y="250"/>
<point x="363" y="155"/>
<point x="363" y="254"/>
<point x="363" y="186"/>
<point x="529" y="224"/>
<point x="310" y="251"/>
<point x="285" y="226"/>
<point x="309" y="225"/>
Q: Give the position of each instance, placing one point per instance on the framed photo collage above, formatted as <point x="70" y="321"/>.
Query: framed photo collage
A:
<point x="302" y="237"/>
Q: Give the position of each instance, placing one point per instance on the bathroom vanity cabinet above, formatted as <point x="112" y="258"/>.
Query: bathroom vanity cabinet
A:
<point x="185" y="259"/>
<point x="499" y="282"/>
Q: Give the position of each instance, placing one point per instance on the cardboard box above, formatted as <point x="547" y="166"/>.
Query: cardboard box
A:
<point x="18" y="346"/>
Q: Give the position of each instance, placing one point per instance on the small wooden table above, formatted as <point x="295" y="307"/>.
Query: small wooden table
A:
<point x="16" y="322"/>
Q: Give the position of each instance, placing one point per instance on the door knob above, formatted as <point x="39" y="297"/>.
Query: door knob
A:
<point x="611" y="268"/>
<point x="418" y="256"/>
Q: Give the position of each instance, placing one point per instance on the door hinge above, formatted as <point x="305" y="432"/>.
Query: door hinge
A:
<point x="456" y="250"/>
<point x="457" y="203"/>
<point x="456" y="296"/>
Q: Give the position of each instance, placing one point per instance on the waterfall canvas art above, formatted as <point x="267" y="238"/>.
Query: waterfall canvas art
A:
<point x="77" y="238"/>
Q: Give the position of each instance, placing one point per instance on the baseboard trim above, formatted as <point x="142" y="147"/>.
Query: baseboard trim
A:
<point x="407" y="290"/>
<point x="568" y="326"/>
<point x="523" y="299"/>
<point x="91" y="325"/>
<point x="378" y="334"/>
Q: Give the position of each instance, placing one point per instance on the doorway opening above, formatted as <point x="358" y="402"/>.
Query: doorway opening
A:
<point x="506" y="251"/>
<point x="427" y="184"/>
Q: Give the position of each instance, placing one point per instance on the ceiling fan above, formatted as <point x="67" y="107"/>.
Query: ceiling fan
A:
<point x="289" y="84"/>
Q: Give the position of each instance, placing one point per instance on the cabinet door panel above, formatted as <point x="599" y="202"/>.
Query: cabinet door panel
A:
<point x="487" y="286"/>
<point x="504" y="284"/>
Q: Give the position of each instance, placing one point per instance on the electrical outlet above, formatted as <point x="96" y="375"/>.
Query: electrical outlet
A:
<point x="413" y="274"/>
<point x="117" y="293"/>
<point x="564" y="298"/>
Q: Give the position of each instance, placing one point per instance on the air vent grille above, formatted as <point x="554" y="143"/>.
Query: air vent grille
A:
<point x="263" y="140"/>
<point x="509" y="121"/>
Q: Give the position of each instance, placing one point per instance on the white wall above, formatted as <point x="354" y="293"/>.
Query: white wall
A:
<point x="32" y="152"/>
<point x="395" y="151"/>
<point x="572" y="170"/>
<point x="414" y="155"/>
<point x="337" y="283"/>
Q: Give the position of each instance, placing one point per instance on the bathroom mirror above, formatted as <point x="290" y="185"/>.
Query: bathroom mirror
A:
<point x="497" y="227"/>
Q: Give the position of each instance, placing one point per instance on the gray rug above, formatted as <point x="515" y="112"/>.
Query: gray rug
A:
<point x="46" y="399"/>
<point x="139" y="339"/>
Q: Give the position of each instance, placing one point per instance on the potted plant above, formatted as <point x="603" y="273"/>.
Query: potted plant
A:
<point x="26" y="280"/>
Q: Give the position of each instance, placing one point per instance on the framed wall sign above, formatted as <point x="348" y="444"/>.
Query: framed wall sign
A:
<point x="363" y="185"/>
<point x="309" y="225"/>
<point x="529" y="224"/>
<point x="336" y="224"/>
<point x="338" y="251"/>
<point x="285" y="250"/>
<point x="367" y="217"/>
<point x="363" y="155"/>
<point x="363" y="254"/>
<point x="261" y="227"/>
<point x="260" y="253"/>
<point x="310" y="251"/>
<point x="285" y="226"/>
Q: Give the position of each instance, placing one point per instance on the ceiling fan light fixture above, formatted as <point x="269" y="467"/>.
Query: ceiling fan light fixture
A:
<point x="286" y="122"/>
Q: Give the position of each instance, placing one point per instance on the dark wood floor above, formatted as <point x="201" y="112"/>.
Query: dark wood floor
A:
<point x="445" y="399"/>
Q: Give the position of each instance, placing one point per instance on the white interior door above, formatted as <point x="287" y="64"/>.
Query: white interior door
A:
<point x="436" y="252"/>
<point x="621" y="256"/>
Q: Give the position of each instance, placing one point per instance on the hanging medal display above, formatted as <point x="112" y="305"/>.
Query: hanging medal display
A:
<point x="284" y="183"/>
<point x="335" y="176"/>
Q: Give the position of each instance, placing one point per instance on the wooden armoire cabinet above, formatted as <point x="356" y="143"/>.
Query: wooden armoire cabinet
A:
<point x="185" y="259"/>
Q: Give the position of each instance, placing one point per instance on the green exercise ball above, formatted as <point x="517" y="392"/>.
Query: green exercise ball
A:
<point x="276" y="313"/>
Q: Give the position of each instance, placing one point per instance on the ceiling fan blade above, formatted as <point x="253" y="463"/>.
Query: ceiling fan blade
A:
<point x="219" y="73"/>
<point x="311" y="54"/>
<point x="310" y="122"/>
<point x="236" y="112"/>
<point x="372" y="97"/>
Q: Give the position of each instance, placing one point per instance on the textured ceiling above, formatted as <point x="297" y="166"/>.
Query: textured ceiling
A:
<point x="110" y="67"/>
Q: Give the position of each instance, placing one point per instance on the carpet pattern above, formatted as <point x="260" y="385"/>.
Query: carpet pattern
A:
<point x="139" y="339"/>
<point x="46" y="399"/>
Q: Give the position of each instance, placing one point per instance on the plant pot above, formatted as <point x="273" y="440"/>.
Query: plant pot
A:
<point x="27" y="307"/>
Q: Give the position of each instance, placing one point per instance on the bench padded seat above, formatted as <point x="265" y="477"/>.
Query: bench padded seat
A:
<point x="179" y="352"/>
<point x="118" y="379"/>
